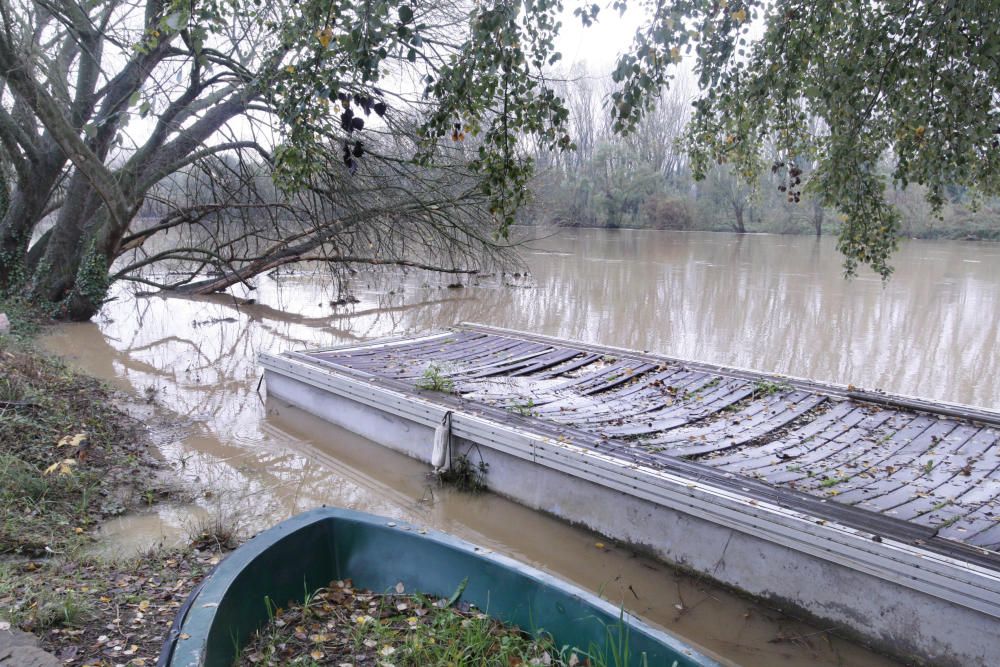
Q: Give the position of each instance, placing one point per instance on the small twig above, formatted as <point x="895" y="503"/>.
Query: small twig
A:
<point x="19" y="404"/>
<point x="680" y="596"/>
<point x="797" y="638"/>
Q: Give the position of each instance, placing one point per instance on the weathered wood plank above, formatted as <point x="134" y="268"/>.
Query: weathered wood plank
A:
<point x="986" y="486"/>
<point x="399" y="354"/>
<point x="548" y="362"/>
<point x="644" y="394"/>
<point x="856" y="449"/>
<point x="515" y="358"/>
<point x="850" y="449"/>
<point x="916" y="480"/>
<point x="726" y="423"/>
<point x="953" y="474"/>
<point x="877" y="458"/>
<point x="457" y="338"/>
<point x="758" y="427"/>
<point x="570" y="366"/>
<point x="607" y="381"/>
<point x="586" y="380"/>
<point x="980" y="527"/>
<point x="481" y="354"/>
<point x="679" y="413"/>
<point x="842" y="441"/>
<point x="835" y="421"/>
<point x="452" y="363"/>
<point x="649" y="400"/>
<point x="886" y="473"/>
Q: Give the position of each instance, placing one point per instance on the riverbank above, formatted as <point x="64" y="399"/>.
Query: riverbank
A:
<point x="70" y="459"/>
<point x="966" y="230"/>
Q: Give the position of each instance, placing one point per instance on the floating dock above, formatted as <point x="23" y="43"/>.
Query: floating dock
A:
<point x="873" y="513"/>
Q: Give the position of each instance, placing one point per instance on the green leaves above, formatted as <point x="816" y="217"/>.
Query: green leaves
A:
<point x="485" y="86"/>
<point x="894" y="92"/>
<point x="492" y="91"/>
<point x="864" y="96"/>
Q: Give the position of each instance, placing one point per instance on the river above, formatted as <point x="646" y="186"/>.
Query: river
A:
<point x="773" y="303"/>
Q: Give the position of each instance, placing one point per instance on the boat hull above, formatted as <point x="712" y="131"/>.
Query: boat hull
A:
<point x="312" y="549"/>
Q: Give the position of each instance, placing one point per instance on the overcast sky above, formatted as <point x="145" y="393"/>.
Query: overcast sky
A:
<point x="600" y="44"/>
<point x="597" y="46"/>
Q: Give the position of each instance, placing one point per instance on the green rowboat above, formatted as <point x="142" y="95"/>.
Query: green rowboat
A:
<point x="312" y="549"/>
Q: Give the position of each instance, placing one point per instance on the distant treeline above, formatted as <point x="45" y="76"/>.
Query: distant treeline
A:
<point x="644" y="181"/>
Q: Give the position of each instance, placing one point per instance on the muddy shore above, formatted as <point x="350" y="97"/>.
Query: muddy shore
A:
<point x="71" y="458"/>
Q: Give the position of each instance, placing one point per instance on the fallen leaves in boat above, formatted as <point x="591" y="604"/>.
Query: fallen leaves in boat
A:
<point x="347" y="627"/>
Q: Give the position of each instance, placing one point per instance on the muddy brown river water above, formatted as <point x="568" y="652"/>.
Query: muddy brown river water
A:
<point x="765" y="302"/>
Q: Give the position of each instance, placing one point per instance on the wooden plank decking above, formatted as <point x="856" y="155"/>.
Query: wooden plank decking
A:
<point x="907" y="467"/>
<point x="816" y="491"/>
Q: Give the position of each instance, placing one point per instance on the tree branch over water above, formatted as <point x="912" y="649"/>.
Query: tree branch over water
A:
<point x="398" y="131"/>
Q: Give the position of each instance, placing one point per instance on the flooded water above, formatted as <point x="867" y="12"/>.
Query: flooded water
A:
<point x="765" y="302"/>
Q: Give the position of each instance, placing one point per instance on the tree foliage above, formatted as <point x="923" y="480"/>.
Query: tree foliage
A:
<point x="394" y="130"/>
<point x="103" y="103"/>
<point x="913" y="79"/>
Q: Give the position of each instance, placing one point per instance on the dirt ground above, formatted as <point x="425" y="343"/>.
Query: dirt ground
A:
<point x="69" y="460"/>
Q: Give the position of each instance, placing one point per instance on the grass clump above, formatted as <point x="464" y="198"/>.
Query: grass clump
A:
<point x="62" y="608"/>
<point x="829" y="482"/>
<point x="525" y="408"/>
<point x="221" y="531"/>
<point x="769" y="387"/>
<point x="465" y="475"/>
<point x="434" y="379"/>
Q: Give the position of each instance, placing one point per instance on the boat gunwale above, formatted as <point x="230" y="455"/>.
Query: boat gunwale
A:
<point x="193" y="624"/>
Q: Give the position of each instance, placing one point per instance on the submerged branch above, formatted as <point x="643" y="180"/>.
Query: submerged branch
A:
<point x="391" y="262"/>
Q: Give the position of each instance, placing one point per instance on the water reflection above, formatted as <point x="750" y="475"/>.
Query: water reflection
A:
<point x="765" y="302"/>
<point x="780" y="303"/>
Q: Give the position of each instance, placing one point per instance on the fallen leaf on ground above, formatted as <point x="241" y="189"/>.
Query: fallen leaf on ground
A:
<point x="64" y="467"/>
<point x="72" y="440"/>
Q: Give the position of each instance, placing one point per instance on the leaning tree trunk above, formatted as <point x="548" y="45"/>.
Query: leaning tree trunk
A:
<point x="25" y="207"/>
<point x="68" y="266"/>
<point x="53" y="275"/>
<point x="74" y="275"/>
